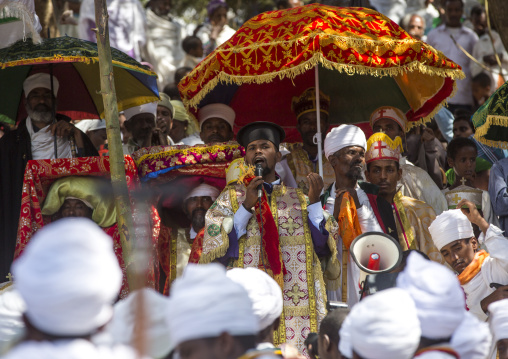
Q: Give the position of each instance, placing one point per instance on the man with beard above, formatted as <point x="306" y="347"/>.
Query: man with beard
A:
<point x="345" y="149"/>
<point x="39" y="136"/>
<point x="303" y="157"/>
<point x="283" y="232"/>
<point x="406" y="219"/>
<point x="140" y="122"/>
<point x="216" y="123"/>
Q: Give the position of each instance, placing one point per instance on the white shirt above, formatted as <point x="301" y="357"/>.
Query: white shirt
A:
<point x="467" y="38"/>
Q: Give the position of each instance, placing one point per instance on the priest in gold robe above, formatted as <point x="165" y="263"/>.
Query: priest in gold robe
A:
<point x="300" y="159"/>
<point x="296" y="233"/>
<point x="404" y="218"/>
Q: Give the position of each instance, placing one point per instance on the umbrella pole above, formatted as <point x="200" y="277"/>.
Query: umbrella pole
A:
<point x="116" y="158"/>
<point x="318" y="138"/>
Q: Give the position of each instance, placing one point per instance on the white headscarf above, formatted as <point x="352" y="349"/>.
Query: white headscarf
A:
<point x="122" y="327"/>
<point x="264" y="292"/>
<point x="385" y="326"/>
<point x="216" y="110"/>
<point x="472" y="339"/>
<point x="450" y="226"/>
<point x="146" y="108"/>
<point x="437" y="294"/>
<point x="40" y="80"/>
<point x="499" y="319"/>
<point x="68" y="277"/>
<point x="345" y="346"/>
<point x="12" y="326"/>
<point x="91" y="125"/>
<point x="344" y="136"/>
<point x="204" y="190"/>
<point x="205" y="303"/>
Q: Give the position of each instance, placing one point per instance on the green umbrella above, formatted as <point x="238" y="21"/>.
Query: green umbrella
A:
<point x="491" y="119"/>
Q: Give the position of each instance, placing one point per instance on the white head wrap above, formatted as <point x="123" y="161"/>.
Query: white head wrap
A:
<point x="205" y="303"/>
<point x="91" y="125"/>
<point x="450" y="226"/>
<point x="385" y="326"/>
<point x="158" y="339"/>
<point x="204" y="190"/>
<point x="40" y="80"/>
<point x="472" y="339"/>
<point x="218" y="110"/>
<point x="437" y="294"/>
<point x="344" y="136"/>
<point x="345" y="346"/>
<point x="12" y="326"/>
<point x="146" y="108"/>
<point x="264" y="292"/>
<point x="68" y="277"/>
<point x="499" y="319"/>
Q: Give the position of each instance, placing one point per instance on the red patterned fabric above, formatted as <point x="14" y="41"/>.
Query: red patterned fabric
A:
<point x="40" y="174"/>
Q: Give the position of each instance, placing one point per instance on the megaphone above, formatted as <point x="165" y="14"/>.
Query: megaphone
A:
<point x="375" y="253"/>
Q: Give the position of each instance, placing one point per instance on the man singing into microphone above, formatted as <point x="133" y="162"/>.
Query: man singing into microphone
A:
<point x="294" y="233"/>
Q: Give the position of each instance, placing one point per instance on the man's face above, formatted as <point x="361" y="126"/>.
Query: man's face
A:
<point x="464" y="163"/>
<point x="198" y="349"/>
<point x="264" y="153"/>
<point x="479" y="23"/>
<point x="39" y="105"/>
<point x="453" y="13"/>
<point x="98" y="137"/>
<point x="160" y="7"/>
<point x="389" y="127"/>
<point x="163" y="114"/>
<point x="75" y="208"/>
<point x="141" y="126"/>
<point x="178" y="130"/>
<point x="502" y="347"/>
<point x="348" y="162"/>
<point x="195" y="209"/>
<point x="216" y="130"/>
<point x="219" y="16"/>
<point x="307" y="126"/>
<point x="459" y="254"/>
<point x="385" y="175"/>
<point x="462" y="128"/>
<point x="415" y="27"/>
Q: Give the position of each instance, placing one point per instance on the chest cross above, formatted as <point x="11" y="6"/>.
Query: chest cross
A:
<point x="295" y="294"/>
<point x="290" y="226"/>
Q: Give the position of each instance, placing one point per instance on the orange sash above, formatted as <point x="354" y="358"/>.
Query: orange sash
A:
<point x="349" y="226"/>
<point x="473" y="268"/>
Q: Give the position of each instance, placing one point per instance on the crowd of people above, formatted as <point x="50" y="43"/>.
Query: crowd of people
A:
<point x="252" y="253"/>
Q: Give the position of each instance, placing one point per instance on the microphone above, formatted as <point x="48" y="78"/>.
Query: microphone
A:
<point x="259" y="172"/>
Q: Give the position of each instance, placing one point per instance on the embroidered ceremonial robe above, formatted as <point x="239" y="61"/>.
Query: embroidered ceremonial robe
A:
<point x="493" y="270"/>
<point x="412" y="219"/>
<point x="174" y="248"/>
<point x="303" y="289"/>
<point x="301" y="166"/>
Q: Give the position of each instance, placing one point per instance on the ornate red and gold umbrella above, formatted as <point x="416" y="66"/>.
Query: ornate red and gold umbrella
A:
<point x="365" y="60"/>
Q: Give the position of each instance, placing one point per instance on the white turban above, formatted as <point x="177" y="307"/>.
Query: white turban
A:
<point x="91" y="125"/>
<point x="344" y="136"/>
<point x="68" y="277"/>
<point x="12" y="326"/>
<point x="385" y="326"/>
<point x="499" y="319"/>
<point x="472" y="339"/>
<point x="122" y="327"/>
<point x="216" y="110"/>
<point x="264" y="292"/>
<point x="345" y="346"/>
<point x="150" y="108"/>
<point x="437" y="294"/>
<point x="40" y="80"/>
<point x="450" y="226"/>
<point x="205" y="303"/>
<point x="204" y="190"/>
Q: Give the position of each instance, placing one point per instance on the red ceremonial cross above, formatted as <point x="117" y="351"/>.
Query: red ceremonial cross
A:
<point x="381" y="113"/>
<point x="379" y="147"/>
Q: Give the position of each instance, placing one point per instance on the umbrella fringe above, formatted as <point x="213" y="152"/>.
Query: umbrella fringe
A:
<point x="481" y="131"/>
<point x="70" y="59"/>
<point x="318" y="58"/>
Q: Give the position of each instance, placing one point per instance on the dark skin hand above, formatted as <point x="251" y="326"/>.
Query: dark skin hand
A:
<point x="251" y="197"/>
<point x="339" y="193"/>
<point x="499" y="294"/>
<point x="428" y="135"/>
<point x="472" y="214"/>
<point x="66" y="129"/>
<point x="316" y="185"/>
